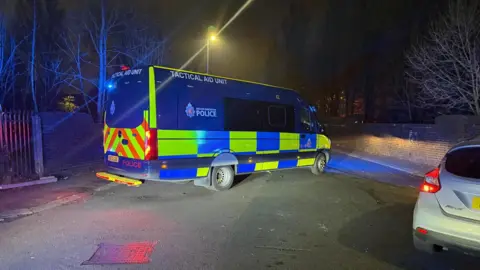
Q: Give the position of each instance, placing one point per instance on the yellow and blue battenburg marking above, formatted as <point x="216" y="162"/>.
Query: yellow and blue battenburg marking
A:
<point x="256" y="151"/>
<point x="184" y="173"/>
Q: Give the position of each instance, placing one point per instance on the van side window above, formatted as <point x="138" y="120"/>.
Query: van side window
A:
<point x="252" y="115"/>
<point x="305" y="120"/>
<point x="277" y="116"/>
<point x="242" y="115"/>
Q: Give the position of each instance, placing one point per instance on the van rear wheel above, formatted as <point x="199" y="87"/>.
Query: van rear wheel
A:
<point x="320" y="164"/>
<point x="222" y="178"/>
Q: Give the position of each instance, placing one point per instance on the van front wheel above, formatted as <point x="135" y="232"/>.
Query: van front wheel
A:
<point x="222" y="178"/>
<point x="320" y="164"/>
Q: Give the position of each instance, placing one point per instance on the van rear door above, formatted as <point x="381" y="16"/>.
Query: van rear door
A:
<point x="126" y="115"/>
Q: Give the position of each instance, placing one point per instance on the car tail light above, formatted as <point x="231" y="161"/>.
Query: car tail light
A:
<point x="151" y="152"/>
<point x="431" y="182"/>
<point x="422" y="230"/>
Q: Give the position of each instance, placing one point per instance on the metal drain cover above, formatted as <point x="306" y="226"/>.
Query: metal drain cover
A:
<point x="132" y="253"/>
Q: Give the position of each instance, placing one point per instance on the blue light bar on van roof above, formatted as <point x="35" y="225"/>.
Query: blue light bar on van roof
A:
<point x="313" y="109"/>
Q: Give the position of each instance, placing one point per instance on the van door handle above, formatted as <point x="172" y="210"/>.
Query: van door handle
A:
<point x="302" y="136"/>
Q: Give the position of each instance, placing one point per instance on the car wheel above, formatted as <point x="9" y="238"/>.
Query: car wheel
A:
<point x="222" y="178"/>
<point x="423" y="246"/>
<point x="320" y="164"/>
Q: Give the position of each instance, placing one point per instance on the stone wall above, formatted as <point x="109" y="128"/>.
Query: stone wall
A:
<point x="421" y="144"/>
<point x="70" y="140"/>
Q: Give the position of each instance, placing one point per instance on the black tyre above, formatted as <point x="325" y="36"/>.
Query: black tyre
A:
<point x="320" y="164"/>
<point x="222" y="178"/>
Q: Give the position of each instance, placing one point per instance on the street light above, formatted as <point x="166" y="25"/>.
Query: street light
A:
<point x="211" y="37"/>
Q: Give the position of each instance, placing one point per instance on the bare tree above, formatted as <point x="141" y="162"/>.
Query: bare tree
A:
<point x="446" y="66"/>
<point x="100" y="27"/>
<point x="32" y="72"/>
<point x="8" y="61"/>
<point x="52" y="78"/>
<point x="403" y="92"/>
<point x="74" y="50"/>
<point x="142" y="47"/>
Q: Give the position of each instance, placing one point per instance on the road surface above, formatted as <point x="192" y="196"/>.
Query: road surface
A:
<point x="343" y="219"/>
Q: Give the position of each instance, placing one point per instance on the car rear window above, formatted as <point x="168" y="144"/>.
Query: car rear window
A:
<point x="464" y="162"/>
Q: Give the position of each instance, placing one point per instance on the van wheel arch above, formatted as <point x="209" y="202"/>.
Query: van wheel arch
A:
<point x="225" y="159"/>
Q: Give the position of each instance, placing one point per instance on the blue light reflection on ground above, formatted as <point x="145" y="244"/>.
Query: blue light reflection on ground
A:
<point x="341" y="163"/>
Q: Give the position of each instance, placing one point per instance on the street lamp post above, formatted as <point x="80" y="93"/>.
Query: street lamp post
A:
<point x="211" y="38"/>
<point x="208" y="54"/>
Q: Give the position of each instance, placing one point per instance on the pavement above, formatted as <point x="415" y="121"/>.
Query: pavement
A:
<point x="357" y="215"/>
<point x="72" y="185"/>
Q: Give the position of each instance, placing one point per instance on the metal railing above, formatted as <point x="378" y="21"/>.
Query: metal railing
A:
<point x="17" y="159"/>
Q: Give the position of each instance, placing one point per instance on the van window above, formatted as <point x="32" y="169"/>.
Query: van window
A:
<point x="242" y="115"/>
<point x="277" y="116"/>
<point x="252" y="115"/>
<point x="126" y="101"/>
<point x="306" y="120"/>
<point x="464" y="162"/>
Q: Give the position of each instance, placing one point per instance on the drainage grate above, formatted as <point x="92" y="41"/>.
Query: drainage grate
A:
<point x="132" y="253"/>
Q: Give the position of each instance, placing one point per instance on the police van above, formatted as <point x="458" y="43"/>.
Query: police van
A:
<point x="174" y="125"/>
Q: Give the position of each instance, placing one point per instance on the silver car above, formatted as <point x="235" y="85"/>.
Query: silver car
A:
<point x="447" y="212"/>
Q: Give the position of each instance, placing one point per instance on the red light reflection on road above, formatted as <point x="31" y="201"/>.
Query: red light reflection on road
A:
<point x="131" y="253"/>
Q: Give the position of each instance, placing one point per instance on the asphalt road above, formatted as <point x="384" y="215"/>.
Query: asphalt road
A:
<point x="280" y="220"/>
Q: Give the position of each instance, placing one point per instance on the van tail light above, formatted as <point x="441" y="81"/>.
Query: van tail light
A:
<point x="151" y="151"/>
<point x="431" y="182"/>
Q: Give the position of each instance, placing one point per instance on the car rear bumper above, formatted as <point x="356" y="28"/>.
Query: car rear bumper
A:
<point x="443" y="230"/>
<point x="450" y="242"/>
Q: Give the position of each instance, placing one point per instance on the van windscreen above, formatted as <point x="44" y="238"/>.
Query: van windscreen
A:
<point x="127" y="100"/>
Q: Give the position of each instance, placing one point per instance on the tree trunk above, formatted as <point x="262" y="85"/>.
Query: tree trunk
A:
<point x="79" y="69"/>
<point x="102" y="54"/>
<point x="32" y="58"/>
<point x="369" y="100"/>
<point x="349" y="100"/>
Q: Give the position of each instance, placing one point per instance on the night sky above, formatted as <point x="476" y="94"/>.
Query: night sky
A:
<point x="295" y="43"/>
<point x="321" y="48"/>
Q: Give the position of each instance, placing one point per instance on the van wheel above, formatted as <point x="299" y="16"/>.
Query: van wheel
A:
<point x="222" y="178"/>
<point x="320" y="164"/>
